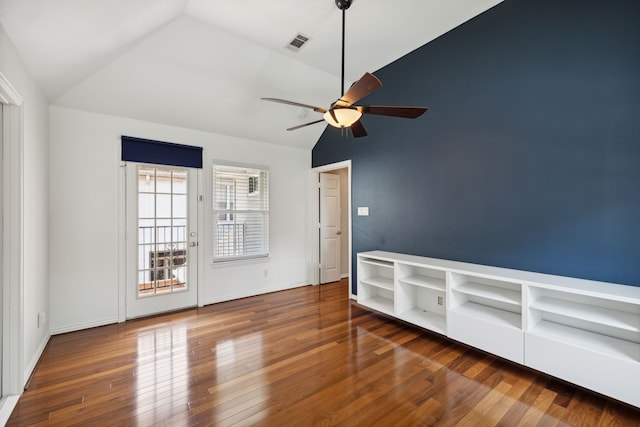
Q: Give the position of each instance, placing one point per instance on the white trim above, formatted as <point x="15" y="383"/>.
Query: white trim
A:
<point x="36" y="357"/>
<point x="7" y="405"/>
<point x="122" y="236"/>
<point x="200" y="196"/>
<point x="257" y="292"/>
<point x="8" y="94"/>
<point x="240" y="261"/>
<point x="2" y="203"/>
<point x="222" y="162"/>
<point x="85" y="325"/>
<point x="13" y="236"/>
<point x="313" y="222"/>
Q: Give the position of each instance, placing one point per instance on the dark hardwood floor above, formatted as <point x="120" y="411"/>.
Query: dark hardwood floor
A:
<point x="306" y="356"/>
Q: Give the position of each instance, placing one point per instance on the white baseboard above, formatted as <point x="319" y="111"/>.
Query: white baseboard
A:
<point x="255" y="292"/>
<point x="81" y="326"/>
<point x="7" y="404"/>
<point x="34" y="360"/>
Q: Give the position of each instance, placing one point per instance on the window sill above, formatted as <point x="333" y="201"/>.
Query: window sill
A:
<point x="244" y="261"/>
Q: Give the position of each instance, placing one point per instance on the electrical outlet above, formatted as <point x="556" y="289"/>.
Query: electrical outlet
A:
<point x="42" y="319"/>
<point x="363" y="210"/>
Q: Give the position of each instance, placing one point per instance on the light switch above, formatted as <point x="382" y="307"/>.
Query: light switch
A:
<point x="363" y="210"/>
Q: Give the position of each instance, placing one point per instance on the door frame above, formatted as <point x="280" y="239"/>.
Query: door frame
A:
<point x="122" y="236"/>
<point x="314" y="207"/>
<point x="12" y="248"/>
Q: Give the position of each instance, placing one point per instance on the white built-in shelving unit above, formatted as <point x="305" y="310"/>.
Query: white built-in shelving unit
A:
<point x="582" y="331"/>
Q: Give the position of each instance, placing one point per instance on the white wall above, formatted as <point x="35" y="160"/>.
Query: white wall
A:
<point x="34" y="176"/>
<point x="84" y="207"/>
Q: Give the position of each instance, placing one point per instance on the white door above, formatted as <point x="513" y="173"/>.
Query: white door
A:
<point x="161" y="238"/>
<point x="330" y="232"/>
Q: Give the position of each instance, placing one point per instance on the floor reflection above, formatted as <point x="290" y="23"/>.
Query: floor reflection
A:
<point x="242" y="381"/>
<point x="161" y="373"/>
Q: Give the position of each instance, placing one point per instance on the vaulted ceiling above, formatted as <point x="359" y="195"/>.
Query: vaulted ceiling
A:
<point x="205" y="64"/>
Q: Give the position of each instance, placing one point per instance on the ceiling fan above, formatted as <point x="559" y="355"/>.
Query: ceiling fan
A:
<point x="343" y="113"/>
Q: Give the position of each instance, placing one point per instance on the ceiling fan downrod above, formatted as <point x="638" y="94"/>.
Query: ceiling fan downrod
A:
<point x="343" y="5"/>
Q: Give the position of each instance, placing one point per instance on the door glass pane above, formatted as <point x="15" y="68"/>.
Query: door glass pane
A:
<point x="146" y="183"/>
<point x="180" y="182"/>
<point x="146" y="205"/>
<point x="162" y="230"/>
<point x="163" y="205"/>
<point x="179" y="206"/>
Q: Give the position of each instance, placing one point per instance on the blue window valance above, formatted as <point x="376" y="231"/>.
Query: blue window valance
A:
<point x="160" y="153"/>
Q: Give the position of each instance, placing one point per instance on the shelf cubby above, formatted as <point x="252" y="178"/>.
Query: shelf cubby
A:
<point x="486" y="313"/>
<point x="500" y="299"/>
<point x="421" y="296"/>
<point x="376" y="285"/>
<point x="491" y="314"/>
<point x="591" y="341"/>
<point x="603" y="325"/>
<point x="587" y="339"/>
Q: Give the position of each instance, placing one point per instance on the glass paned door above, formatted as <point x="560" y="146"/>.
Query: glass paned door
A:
<point x="161" y="238"/>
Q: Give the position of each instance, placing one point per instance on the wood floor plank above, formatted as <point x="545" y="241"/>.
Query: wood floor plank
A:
<point x="301" y="357"/>
<point x="538" y="408"/>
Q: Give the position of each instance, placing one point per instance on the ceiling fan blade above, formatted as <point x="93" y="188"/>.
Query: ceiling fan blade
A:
<point x="333" y="115"/>
<point x="357" y="129"/>
<point x="297" y="104"/>
<point x="363" y="87"/>
<point x="387" y="110"/>
<point x="306" y="124"/>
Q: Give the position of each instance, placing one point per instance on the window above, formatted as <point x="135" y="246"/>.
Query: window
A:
<point x="253" y="185"/>
<point x="240" y="212"/>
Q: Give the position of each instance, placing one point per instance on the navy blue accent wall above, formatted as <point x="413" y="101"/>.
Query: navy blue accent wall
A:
<point x="160" y="153"/>
<point x="529" y="155"/>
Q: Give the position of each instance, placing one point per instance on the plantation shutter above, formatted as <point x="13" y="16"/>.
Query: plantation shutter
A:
<point x="240" y="212"/>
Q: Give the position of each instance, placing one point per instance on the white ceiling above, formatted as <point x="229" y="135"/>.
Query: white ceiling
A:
<point x="204" y="64"/>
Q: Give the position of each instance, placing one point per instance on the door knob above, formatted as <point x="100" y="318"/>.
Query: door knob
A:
<point x="339" y="233"/>
<point x="192" y="244"/>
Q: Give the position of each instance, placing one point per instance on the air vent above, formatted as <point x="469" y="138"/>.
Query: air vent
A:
<point x="298" y="42"/>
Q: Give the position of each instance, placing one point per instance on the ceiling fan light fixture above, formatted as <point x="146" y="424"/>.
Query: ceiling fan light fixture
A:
<point x="344" y="113"/>
<point x="345" y="117"/>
